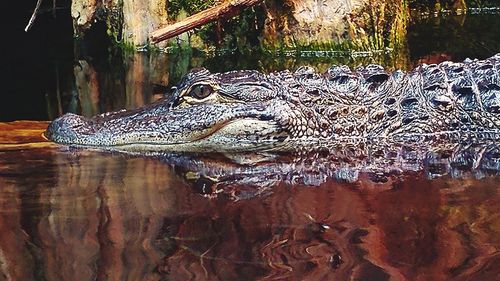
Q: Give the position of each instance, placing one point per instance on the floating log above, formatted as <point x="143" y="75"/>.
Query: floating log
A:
<point x="226" y="9"/>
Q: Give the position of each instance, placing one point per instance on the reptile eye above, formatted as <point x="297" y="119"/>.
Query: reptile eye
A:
<point x="201" y="91"/>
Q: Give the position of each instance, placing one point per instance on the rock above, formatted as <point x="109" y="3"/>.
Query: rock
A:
<point x="362" y="22"/>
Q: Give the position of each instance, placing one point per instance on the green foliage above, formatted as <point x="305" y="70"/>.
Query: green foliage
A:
<point x="300" y="48"/>
<point x="242" y="32"/>
<point x="174" y="7"/>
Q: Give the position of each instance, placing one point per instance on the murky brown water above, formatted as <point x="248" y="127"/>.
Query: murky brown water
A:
<point x="74" y="213"/>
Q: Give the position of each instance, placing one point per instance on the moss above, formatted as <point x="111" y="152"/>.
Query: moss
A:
<point x="114" y="21"/>
<point x="379" y="25"/>
<point x="298" y="47"/>
<point x="242" y="32"/>
<point x="175" y="7"/>
<point x="126" y="48"/>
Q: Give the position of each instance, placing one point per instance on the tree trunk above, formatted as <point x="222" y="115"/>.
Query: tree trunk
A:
<point x="226" y="9"/>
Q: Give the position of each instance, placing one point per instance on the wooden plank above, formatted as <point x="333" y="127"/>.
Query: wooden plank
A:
<point x="23" y="135"/>
<point x="226" y="9"/>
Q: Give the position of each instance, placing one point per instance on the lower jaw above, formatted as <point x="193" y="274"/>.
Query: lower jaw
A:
<point x="203" y="145"/>
<point x="241" y="135"/>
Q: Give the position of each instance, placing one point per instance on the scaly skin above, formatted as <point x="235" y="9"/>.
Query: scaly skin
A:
<point x="250" y="111"/>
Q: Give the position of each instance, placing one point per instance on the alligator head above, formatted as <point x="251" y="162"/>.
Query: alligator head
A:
<point x="224" y="112"/>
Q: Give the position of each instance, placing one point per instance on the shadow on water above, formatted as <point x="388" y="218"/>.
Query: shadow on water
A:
<point x="346" y="215"/>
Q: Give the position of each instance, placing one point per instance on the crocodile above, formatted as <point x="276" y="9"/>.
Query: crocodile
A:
<point x="456" y="102"/>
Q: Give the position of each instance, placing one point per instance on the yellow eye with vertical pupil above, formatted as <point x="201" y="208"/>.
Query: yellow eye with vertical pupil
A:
<point x="201" y="91"/>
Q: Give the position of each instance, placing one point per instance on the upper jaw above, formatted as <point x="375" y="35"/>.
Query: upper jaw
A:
<point x="158" y="127"/>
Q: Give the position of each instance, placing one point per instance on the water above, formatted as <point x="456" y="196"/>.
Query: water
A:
<point x="71" y="213"/>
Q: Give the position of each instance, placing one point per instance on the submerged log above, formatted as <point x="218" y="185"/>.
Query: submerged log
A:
<point x="226" y="9"/>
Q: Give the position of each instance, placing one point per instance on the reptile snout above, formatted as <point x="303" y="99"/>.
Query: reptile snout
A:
<point x="65" y="128"/>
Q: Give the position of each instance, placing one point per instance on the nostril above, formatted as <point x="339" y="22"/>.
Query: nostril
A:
<point x="65" y="128"/>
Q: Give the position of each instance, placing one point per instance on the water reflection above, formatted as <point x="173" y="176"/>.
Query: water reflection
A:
<point x="71" y="212"/>
<point x="246" y="175"/>
<point x="436" y="39"/>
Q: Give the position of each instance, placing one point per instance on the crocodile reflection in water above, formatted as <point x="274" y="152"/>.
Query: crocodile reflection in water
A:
<point x="250" y="111"/>
<point x="246" y="175"/>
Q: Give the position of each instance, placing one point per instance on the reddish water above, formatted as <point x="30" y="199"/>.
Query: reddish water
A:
<point x="68" y="213"/>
